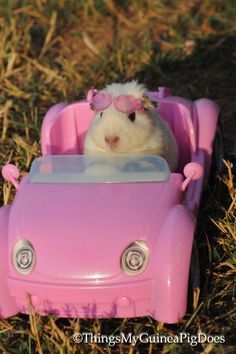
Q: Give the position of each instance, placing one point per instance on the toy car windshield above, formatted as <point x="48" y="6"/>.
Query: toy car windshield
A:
<point x="99" y="169"/>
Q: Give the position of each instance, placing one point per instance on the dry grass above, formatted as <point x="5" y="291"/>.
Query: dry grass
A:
<point x="52" y="51"/>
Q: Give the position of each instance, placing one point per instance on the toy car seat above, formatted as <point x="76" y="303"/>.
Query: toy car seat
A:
<point x="64" y="126"/>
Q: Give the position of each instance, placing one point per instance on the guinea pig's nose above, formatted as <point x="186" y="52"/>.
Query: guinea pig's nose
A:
<point x="112" y="140"/>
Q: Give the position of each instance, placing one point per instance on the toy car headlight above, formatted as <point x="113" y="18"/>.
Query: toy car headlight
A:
<point x="23" y="257"/>
<point x="135" y="258"/>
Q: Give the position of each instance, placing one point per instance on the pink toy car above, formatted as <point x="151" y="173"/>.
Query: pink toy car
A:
<point x="105" y="236"/>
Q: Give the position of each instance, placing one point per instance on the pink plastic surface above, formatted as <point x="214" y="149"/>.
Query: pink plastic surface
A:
<point x="8" y="305"/>
<point x="206" y="128"/>
<point x="80" y="231"/>
<point x="11" y="174"/>
<point x="64" y="128"/>
<point x="192" y="171"/>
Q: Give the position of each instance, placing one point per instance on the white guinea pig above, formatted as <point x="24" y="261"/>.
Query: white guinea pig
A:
<point x="126" y="122"/>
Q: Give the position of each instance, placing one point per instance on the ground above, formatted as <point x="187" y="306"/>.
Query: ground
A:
<point x="52" y="51"/>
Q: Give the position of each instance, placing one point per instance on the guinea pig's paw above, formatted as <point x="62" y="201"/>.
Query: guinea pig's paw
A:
<point x="102" y="169"/>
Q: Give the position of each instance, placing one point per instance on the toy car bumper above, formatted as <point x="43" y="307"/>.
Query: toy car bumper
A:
<point x="122" y="300"/>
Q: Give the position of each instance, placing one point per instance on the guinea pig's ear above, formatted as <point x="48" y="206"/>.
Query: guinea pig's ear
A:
<point x="147" y="103"/>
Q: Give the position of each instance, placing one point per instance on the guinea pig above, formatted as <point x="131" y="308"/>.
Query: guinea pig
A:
<point x="126" y="122"/>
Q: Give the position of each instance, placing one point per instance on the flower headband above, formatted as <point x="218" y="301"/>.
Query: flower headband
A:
<point x="123" y="103"/>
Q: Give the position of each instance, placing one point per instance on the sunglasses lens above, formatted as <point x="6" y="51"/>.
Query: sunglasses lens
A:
<point x="100" y="101"/>
<point x="126" y="104"/>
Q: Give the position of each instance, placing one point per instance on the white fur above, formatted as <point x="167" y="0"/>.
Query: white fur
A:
<point x="148" y="134"/>
<point x="129" y="88"/>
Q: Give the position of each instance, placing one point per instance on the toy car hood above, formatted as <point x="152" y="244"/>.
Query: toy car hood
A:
<point x="76" y="228"/>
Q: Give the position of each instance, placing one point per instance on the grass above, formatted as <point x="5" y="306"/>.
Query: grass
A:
<point x="55" y="51"/>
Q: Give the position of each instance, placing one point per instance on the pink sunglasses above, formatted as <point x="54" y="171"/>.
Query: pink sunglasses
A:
<point x="123" y="103"/>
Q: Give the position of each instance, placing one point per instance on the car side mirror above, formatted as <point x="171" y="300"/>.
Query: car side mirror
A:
<point x="192" y="171"/>
<point x="11" y="174"/>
